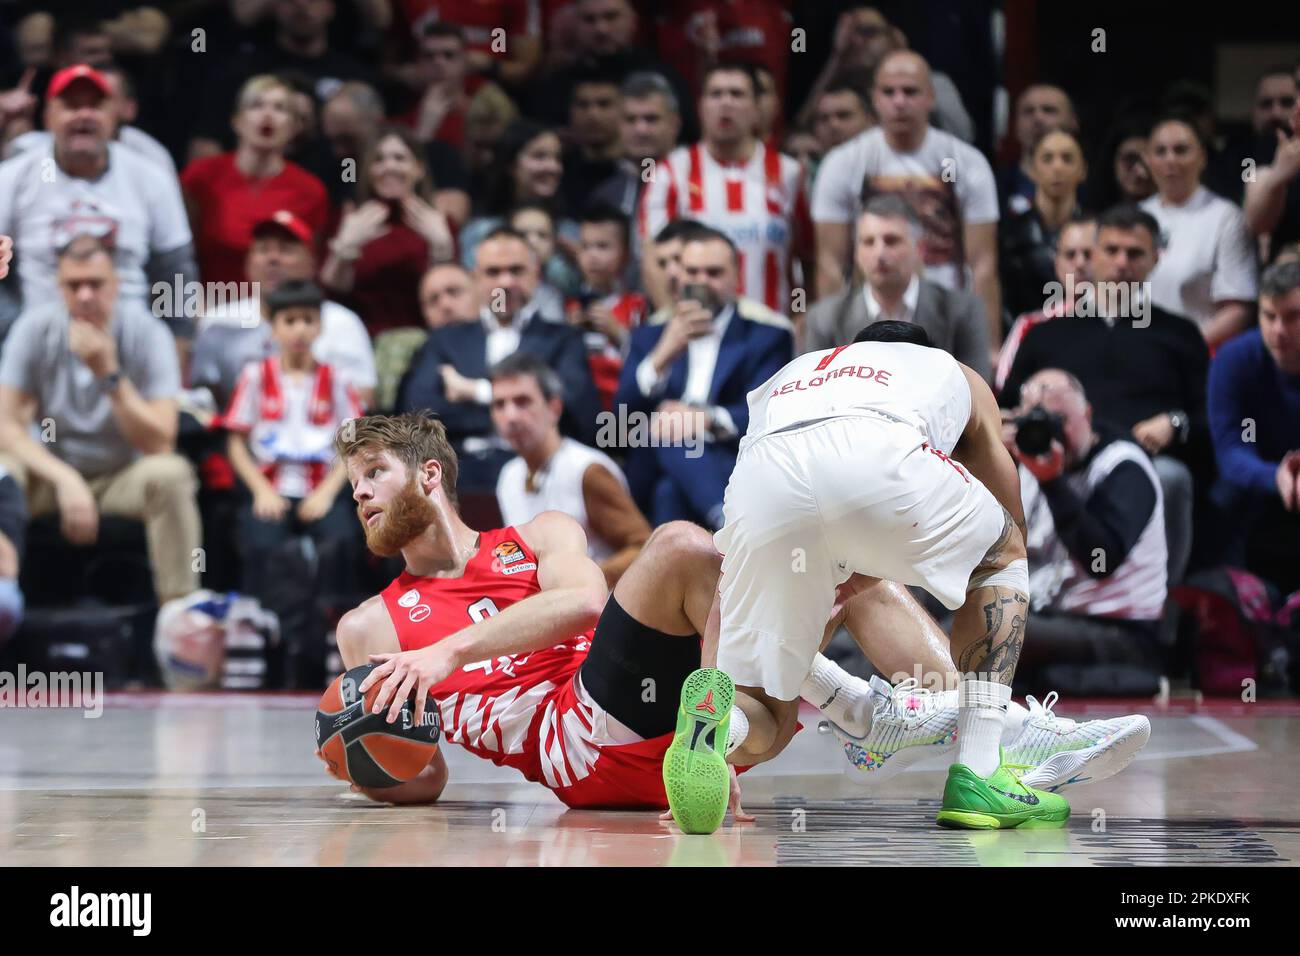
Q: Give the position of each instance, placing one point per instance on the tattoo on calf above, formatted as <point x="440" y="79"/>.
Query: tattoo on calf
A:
<point x="995" y="654"/>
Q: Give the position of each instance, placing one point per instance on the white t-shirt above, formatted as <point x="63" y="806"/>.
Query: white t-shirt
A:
<point x="129" y="136"/>
<point x="43" y="208"/>
<point x="949" y="183"/>
<point x="559" y="488"/>
<point x="1209" y="256"/>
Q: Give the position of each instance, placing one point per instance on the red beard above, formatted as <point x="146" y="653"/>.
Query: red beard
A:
<point x="407" y="516"/>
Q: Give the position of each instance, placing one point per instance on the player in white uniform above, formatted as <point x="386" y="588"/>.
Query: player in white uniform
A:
<point x="879" y="459"/>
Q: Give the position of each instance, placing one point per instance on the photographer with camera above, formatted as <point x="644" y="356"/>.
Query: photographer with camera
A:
<point x="1096" y="533"/>
<point x="691" y="375"/>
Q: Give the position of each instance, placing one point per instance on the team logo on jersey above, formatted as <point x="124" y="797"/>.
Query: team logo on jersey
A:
<point x="419" y="613"/>
<point x="508" y="552"/>
<point x="409" y="599"/>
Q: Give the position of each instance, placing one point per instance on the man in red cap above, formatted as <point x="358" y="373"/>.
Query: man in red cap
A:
<point x="233" y="333"/>
<point x="82" y="182"/>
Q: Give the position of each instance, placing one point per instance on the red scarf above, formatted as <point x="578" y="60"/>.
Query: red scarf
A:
<point x="321" y="408"/>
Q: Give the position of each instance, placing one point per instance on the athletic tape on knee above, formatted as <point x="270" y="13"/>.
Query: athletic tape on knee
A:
<point x="737" y="730"/>
<point x="1015" y="576"/>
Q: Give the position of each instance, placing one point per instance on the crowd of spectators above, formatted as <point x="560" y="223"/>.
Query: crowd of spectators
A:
<point x="581" y="232"/>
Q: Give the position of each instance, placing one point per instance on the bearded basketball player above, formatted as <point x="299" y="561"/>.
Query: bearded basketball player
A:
<point x="533" y="665"/>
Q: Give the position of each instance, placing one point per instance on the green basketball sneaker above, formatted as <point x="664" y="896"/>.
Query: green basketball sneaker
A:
<point x="696" y="777"/>
<point x="997" y="802"/>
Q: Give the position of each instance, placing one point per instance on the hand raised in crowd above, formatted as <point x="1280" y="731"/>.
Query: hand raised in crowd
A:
<point x="690" y="320"/>
<point x="431" y="225"/>
<point x="93" y="345"/>
<point x="1154" y="434"/>
<point x="269" y="505"/>
<point x="19" y="101"/>
<point x="1288" y="480"/>
<point x="457" y="387"/>
<point x="6" y="254"/>
<point x="360" y="225"/>
<point x="1286" y="161"/>
<point x="78" y="513"/>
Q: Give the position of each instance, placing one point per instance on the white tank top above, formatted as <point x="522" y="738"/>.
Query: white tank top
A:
<point x="559" y="488"/>
<point x="920" y="386"/>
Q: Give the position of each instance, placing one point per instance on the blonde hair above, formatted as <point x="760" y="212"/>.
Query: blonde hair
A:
<point x="490" y="106"/>
<point x="255" y="86"/>
<point x="412" y="437"/>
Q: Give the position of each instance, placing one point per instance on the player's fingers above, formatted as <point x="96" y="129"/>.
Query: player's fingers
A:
<point x="389" y="687"/>
<point x="402" y="696"/>
<point x="421" y="695"/>
<point x="380" y="672"/>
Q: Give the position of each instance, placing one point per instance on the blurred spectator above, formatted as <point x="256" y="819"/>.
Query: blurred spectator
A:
<point x="448" y="375"/>
<point x="227" y="194"/>
<point x="34" y="40"/>
<point x="1144" y="368"/>
<point x="503" y="37"/>
<point x="447" y="295"/>
<point x="238" y="332"/>
<point x="282" y="420"/>
<point x="747" y="190"/>
<point x="13" y="538"/>
<point x="694" y="373"/>
<point x="604" y="309"/>
<point x="351" y="119"/>
<point x="804" y="146"/>
<point x="863" y="40"/>
<point x="770" y="121"/>
<point x="841" y="113"/>
<point x="1072" y="268"/>
<point x="1270" y="124"/>
<point x="440" y="112"/>
<point x="560" y="278"/>
<point x="1207" y="270"/>
<point x="300" y="44"/>
<point x="1096" y="536"/>
<point x="1124" y="175"/>
<point x="384" y="245"/>
<point x="528" y="165"/>
<point x="1272" y="206"/>
<point x="1041" y="109"/>
<point x="553" y="473"/>
<point x="489" y="115"/>
<point x="649" y="122"/>
<point x="125" y="110"/>
<point x="1027" y="240"/>
<point x="606" y="41"/>
<point x="949" y="183"/>
<point x="101" y="370"/>
<point x="98" y="186"/>
<point x="594" y="110"/>
<point x="1254" y="407"/>
<point x="889" y="257"/>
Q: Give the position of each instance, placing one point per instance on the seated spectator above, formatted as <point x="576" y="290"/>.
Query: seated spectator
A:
<point x="99" y="186"/>
<point x="603" y="309"/>
<point x="1096" y="536"/>
<point x="125" y="110"/>
<point x="439" y="113"/>
<point x="515" y="65"/>
<point x="236" y="333"/>
<point x="1027" y="240"/>
<point x="1072" y="268"/>
<point x="447" y="295"/>
<point x="227" y="194"/>
<point x="889" y="257"/>
<point x="1143" y="368"/>
<point x="560" y="277"/>
<point x="863" y="40"/>
<point x="593" y="129"/>
<point x="282" y="420"/>
<point x="1040" y="109"/>
<point x="448" y="376"/>
<point x="804" y="146"/>
<point x="1270" y="124"/>
<point x="906" y="156"/>
<point x="488" y="117"/>
<point x="553" y="473"/>
<point x="13" y="538"/>
<point x="695" y="373"/>
<point x="351" y="118"/>
<point x="384" y="245"/>
<point x="1124" y="176"/>
<point x="528" y="167"/>
<point x="100" y="369"/>
<point x="649" y="123"/>
<point x="1207" y="271"/>
<point x="1254" y="407"/>
<point x="1272" y="207"/>
<point x="842" y="111"/>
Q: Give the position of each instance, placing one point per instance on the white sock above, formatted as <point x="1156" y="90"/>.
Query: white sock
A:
<point x="1016" y="717"/>
<point x="737" y="730"/>
<point x="843" y="698"/>
<point x="981" y="714"/>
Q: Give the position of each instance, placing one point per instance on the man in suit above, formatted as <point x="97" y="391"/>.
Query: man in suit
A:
<point x="691" y="376"/>
<point x="449" y="375"/>
<point x="888" y="255"/>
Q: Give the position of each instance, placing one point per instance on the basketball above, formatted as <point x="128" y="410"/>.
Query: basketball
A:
<point x="362" y="746"/>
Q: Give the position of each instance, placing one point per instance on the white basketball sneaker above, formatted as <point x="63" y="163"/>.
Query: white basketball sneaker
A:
<point x="908" y="723"/>
<point x="1057" y="752"/>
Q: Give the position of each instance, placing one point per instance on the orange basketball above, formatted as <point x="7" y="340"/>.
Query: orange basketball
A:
<point x="364" y="747"/>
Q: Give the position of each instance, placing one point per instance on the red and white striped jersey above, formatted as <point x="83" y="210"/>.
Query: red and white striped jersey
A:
<point x="762" y="205"/>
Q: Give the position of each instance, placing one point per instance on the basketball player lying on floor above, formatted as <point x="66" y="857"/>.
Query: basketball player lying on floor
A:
<point x="533" y="665"/>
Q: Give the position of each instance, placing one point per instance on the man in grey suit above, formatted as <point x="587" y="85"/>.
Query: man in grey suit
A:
<point x="888" y="254"/>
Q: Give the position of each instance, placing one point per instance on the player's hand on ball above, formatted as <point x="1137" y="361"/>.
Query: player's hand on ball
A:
<point x="406" y="673"/>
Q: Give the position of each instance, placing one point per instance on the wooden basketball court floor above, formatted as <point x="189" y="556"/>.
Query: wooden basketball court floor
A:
<point x="225" y="779"/>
